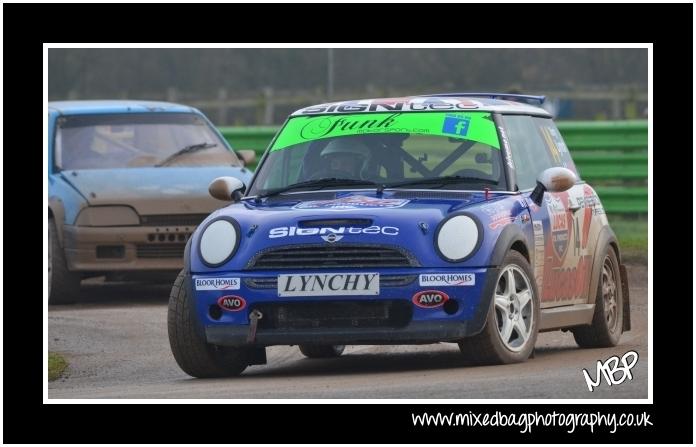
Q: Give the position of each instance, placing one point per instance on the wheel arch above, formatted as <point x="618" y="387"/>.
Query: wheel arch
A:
<point x="606" y="239"/>
<point x="56" y="211"/>
<point x="512" y="237"/>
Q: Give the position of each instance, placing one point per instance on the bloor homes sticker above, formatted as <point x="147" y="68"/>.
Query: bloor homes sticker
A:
<point x="474" y="126"/>
<point x="447" y="279"/>
<point x="217" y="283"/>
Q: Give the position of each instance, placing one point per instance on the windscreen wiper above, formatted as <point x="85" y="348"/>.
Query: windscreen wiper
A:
<point x="321" y="182"/>
<point x="445" y="180"/>
<point x="191" y="148"/>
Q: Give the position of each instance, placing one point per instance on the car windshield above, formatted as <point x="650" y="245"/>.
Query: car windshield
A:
<point x="137" y="140"/>
<point x="418" y="150"/>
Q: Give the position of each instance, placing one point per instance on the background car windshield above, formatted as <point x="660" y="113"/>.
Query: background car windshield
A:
<point x="385" y="149"/>
<point x="136" y="140"/>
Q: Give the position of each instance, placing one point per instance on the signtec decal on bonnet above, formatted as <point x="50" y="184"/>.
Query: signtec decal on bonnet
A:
<point x="474" y="126"/>
<point x="296" y="231"/>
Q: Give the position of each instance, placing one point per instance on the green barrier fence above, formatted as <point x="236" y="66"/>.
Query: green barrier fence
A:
<point x="611" y="155"/>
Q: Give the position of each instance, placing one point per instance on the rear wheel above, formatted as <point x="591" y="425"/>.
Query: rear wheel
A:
<point x="607" y="322"/>
<point x="63" y="285"/>
<point x="321" y="351"/>
<point x="192" y="353"/>
<point x="513" y="317"/>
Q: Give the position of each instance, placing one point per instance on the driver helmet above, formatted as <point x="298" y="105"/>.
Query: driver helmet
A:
<point x="346" y="154"/>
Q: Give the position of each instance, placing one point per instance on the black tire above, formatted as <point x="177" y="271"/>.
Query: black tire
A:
<point x="321" y="351"/>
<point x="192" y="353"/>
<point x="63" y="285"/>
<point x="488" y="347"/>
<point x="607" y="323"/>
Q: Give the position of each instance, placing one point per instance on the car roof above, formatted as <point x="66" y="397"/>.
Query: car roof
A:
<point x="443" y="102"/>
<point x="115" y="106"/>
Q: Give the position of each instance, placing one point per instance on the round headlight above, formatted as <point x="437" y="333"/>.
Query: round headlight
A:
<point x="219" y="241"/>
<point x="457" y="238"/>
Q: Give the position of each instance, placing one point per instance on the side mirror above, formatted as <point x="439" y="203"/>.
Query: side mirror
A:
<point x="227" y="189"/>
<point x="248" y="156"/>
<point x="553" y="180"/>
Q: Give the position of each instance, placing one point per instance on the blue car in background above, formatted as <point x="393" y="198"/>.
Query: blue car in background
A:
<point x="442" y="218"/>
<point x="127" y="186"/>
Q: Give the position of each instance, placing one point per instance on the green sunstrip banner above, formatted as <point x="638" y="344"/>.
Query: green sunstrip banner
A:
<point x="475" y="126"/>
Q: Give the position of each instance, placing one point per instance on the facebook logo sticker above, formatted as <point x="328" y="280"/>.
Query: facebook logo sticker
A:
<point x="457" y="125"/>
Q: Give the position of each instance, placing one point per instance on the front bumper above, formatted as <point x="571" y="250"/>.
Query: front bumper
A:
<point x="424" y="325"/>
<point x="110" y="249"/>
<point x="414" y="333"/>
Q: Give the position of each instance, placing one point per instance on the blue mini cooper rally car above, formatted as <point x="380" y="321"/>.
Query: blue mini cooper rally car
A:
<point x="442" y="218"/>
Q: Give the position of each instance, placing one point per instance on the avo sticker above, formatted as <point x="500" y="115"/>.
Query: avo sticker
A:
<point x="430" y="298"/>
<point x="232" y="303"/>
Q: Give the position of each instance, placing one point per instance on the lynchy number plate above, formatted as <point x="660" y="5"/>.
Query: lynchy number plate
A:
<point x="328" y="284"/>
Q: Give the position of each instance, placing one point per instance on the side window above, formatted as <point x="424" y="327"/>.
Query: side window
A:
<point x="555" y="144"/>
<point x="529" y="151"/>
<point x="536" y="145"/>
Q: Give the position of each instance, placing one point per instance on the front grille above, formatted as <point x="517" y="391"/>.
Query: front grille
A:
<point x="384" y="281"/>
<point x="335" y="314"/>
<point x="331" y="256"/>
<point x="160" y="250"/>
<point x="172" y="220"/>
<point x="110" y="251"/>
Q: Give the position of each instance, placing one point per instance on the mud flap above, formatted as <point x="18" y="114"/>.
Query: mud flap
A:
<point x="626" y="298"/>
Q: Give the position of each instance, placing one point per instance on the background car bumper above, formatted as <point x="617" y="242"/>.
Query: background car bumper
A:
<point x="134" y="248"/>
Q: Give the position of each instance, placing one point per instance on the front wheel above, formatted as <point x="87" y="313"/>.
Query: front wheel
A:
<point x="321" y="351"/>
<point x="512" y="321"/>
<point x="63" y="285"/>
<point x="192" y="353"/>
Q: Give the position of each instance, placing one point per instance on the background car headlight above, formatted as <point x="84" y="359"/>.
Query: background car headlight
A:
<point x="107" y="216"/>
<point x="219" y="241"/>
<point x="458" y="237"/>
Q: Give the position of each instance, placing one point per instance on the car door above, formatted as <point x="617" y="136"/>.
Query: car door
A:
<point x="562" y="254"/>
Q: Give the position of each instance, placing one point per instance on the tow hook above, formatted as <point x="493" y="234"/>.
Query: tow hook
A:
<point x="254" y="318"/>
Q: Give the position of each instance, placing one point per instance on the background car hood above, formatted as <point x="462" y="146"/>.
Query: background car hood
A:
<point x="153" y="190"/>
